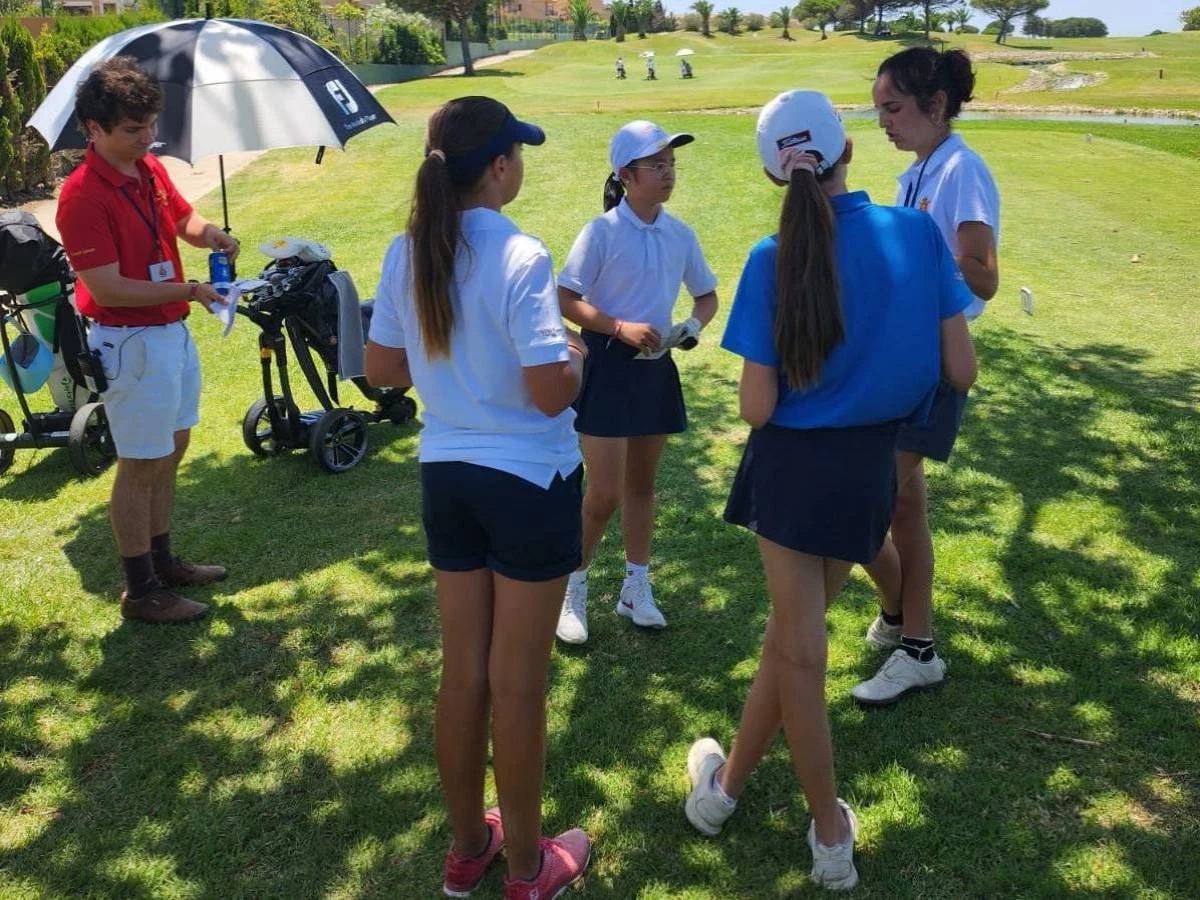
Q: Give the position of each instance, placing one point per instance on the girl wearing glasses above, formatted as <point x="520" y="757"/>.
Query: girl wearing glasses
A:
<point x="619" y="283"/>
<point x="918" y="93"/>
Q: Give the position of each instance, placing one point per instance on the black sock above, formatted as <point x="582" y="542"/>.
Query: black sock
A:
<point x="920" y="649"/>
<point x="889" y="619"/>
<point x="139" y="575"/>
<point x="160" y="549"/>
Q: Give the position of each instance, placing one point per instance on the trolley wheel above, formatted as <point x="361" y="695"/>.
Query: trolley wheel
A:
<point x="402" y="409"/>
<point x="257" y="431"/>
<point x="338" y="439"/>
<point x="7" y="451"/>
<point x="89" y="441"/>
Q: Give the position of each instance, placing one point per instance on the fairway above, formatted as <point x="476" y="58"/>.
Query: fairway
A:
<point x="284" y="747"/>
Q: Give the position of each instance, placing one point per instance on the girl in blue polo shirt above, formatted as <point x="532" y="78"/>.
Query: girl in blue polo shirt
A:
<point x="620" y="283"/>
<point x="919" y="93"/>
<point x="467" y="313"/>
<point x="845" y="318"/>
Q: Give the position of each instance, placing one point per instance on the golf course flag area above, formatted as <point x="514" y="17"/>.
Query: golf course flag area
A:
<point x="284" y="746"/>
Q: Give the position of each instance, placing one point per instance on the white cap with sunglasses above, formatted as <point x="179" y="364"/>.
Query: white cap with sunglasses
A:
<point x="639" y="139"/>
<point x="804" y="121"/>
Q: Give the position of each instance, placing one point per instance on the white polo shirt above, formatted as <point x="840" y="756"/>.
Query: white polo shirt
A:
<point x="506" y="317"/>
<point x="632" y="270"/>
<point x="954" y="186"/>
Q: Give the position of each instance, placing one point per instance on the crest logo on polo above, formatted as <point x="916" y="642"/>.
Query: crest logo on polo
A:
<point x="341" y="97"/>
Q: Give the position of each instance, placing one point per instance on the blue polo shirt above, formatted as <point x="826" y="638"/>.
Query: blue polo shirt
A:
<point x="898" y="281"/>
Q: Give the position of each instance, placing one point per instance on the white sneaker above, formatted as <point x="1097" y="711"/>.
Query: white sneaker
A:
<point x="899" y="674"/>
<point x="707" y="807"/>
<point x="637" y="603"/>
<point x="833" y="867"/>
<point x="572" y="621"/>
<point x="883" y="636"/>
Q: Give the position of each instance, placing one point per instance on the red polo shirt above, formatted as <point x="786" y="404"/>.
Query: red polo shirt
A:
<point x="105" y="217"/>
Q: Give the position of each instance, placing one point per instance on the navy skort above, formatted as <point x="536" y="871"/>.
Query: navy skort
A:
<point x="823" y="491"/>
<point x="626" y="397"/>
<point x="935" y="438"/>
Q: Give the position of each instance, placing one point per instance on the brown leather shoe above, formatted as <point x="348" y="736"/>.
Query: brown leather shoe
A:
<point x="161" y="607"/>
<point x="184" y="574"/>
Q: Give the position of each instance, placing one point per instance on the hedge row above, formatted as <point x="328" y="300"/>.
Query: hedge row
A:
<point x="32" y="66"/>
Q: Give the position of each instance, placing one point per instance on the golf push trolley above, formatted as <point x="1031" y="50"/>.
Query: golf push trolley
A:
<point x="49" y="350"/>
<point x="303" y="299"/>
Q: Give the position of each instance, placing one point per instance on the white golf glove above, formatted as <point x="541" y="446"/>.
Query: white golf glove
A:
<point x="685" y="335"/>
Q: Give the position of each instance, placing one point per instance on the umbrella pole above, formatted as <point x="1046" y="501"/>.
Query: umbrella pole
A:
<point x="224" y="202"/>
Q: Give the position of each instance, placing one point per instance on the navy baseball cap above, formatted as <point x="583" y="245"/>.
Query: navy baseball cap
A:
<point x="512" y="131"/>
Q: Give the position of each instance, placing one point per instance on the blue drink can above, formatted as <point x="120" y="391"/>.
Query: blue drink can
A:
<point x="220" y="272"/>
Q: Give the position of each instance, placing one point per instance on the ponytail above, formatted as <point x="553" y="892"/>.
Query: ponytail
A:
<point x="456" y="157"/>
<point x="433" y="225"/>
<point x="613" y="192"/>
<point x="808" y="316"/>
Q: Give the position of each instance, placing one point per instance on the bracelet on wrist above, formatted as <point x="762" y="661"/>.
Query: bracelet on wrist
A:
<point x="193" y="286"/>
<point x="617" y="325"/>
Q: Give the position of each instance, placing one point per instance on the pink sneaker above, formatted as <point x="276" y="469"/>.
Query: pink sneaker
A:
<point x="563" y="860"/>
<point x="463" y="873"/>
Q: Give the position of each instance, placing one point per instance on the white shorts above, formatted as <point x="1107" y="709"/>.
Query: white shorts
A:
<point x="153" y="386"/>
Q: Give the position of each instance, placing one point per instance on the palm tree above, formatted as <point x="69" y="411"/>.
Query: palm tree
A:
<point x="704" y="10"/>
<point x="643" y="12"/>
<point x="618" y="11"/>
<point x="785" y="17"/>
<point x="581" y="15"/>
<point x="959" y="16"/>
<point x="731" y="20"/>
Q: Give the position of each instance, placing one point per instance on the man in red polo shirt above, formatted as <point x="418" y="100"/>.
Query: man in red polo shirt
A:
<point x="120" y="216"/>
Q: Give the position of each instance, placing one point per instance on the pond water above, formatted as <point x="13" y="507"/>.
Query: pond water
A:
<point x="1051" y="117"/>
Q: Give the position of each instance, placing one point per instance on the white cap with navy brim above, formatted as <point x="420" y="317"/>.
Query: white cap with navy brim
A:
<point x="639" y="139"/>
<point x="805" y="120"/>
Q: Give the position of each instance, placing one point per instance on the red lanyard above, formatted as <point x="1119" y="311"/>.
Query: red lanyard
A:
<point x="152" y="221"/>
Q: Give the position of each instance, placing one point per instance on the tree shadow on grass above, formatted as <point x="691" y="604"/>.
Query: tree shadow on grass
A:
<point x="279" y="747"/>
<point x="283" y="747"/>
<point x="1067" y="602"/>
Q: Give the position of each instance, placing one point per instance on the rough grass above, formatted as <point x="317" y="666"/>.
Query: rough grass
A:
<point x="283" y="748"/>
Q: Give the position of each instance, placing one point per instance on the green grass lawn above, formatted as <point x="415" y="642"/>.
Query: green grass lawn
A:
<point x="749" y="69"/>
<point x="284" y="747"/>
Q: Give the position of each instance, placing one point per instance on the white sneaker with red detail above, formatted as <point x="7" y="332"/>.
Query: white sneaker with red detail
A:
<point x="637" y="603"/>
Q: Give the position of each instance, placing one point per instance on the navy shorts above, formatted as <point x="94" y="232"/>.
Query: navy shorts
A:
<point x="823" y="491"/>
<point x="626" y="397"/>
<point x="477" y="518"/>
<point x="935" y="438"/>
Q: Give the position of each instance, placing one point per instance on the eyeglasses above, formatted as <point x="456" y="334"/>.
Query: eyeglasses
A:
<point x="659" y="168"/>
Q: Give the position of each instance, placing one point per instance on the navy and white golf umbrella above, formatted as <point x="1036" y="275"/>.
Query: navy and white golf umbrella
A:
<point x="228" y="85"/>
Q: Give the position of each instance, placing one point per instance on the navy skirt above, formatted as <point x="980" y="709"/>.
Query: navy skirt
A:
<point x="626" y="397"/>
<point x="823" y="491"/>
<point x="934" y="439"/>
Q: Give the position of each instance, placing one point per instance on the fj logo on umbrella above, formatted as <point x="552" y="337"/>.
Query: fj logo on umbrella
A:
<point x="341" y="97"/>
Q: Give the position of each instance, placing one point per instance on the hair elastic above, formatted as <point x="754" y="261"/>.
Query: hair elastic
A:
<point x="436" y="154"/>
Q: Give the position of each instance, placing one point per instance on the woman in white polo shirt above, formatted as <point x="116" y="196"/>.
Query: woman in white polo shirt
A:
<point x="467" y="313"/>
<point x="619" y="283"/>
<point x="918" y="94"/>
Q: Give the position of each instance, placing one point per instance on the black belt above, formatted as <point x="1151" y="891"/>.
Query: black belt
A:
<point x="144" y="324"/>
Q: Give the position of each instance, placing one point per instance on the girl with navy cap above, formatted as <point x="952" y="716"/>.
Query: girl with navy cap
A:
<point x="844" y="318"/>
<point x="919" y="93"/>
<point x="619" y="284"/>
<point x="467" y="313"/>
